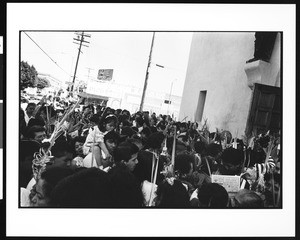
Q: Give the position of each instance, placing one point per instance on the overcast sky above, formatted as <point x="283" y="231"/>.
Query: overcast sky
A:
<point x="125" y="52"/>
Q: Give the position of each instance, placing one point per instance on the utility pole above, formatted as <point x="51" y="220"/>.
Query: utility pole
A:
<point x="170" y="97"/>
<point x="171" y="94"/>
<point x="147" y="74"/>
<point x="80" y="38"/>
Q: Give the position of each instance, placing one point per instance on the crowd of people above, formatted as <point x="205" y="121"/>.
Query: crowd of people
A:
<point x="91" y="156"/>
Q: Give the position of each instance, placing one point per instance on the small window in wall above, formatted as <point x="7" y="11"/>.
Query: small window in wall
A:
<point x="200" y="106"/>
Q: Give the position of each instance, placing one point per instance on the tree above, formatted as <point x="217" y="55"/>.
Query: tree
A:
<point x="28" y="76"/>
<point x="42" y="83"/>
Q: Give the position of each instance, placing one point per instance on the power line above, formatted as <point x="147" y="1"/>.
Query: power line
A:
<point x="47" y="55"/>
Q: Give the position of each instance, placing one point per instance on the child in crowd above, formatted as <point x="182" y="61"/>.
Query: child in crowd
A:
<point x="101" y="159"/>
<point x="95" y="140"/>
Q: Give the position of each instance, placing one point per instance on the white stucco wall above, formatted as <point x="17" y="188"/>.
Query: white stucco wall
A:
<point x="216" y="64"/>
<point x="274" y="76"/>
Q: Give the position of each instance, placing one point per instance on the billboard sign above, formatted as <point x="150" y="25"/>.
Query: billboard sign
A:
<point x="105" y="74"/>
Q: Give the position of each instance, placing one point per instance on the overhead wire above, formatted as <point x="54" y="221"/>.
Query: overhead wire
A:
<point x="47" y="55"/>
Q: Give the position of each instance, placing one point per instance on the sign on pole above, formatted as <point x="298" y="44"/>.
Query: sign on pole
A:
<point x="105" y="74"/>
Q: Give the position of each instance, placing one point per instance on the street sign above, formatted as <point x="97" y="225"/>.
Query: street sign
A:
<point x="105" y="74"/>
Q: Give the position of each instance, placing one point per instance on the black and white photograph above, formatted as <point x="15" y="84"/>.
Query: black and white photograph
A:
<point x="157" y="126"/>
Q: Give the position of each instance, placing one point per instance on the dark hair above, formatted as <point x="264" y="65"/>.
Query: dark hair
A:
<point x="31" y="104"/>
<point x="112" y="135"/>
<point x="232" y="156"/>
<point x="128" y="131"/>
<point x="263" y="140"/>
<point x="213" y="195"/>
<point x="80" y="139"/>
<point x="61" y="146"/>
<point x="73" y="141"/>
<point x="135" y="129"/>
<point x="118" y="111"/>
<point x="126" y="192"/>
<point x="199" y="147"/>
<point x="183" y="163"/>
<point x="37" y="121"/>
<point x="146" y="131"/>
<point x="161" y="125"/>
<point x="30" y="133"/>
<point x="89" y="188"/>
<point x="95" y="118"/>
<point x="147" y="121"/>
<point x="52" y="176"/>
<point x="153" y="129"/>
<point x="172" y="196"/>
<point x="110" y="118"/>
<point x="126" y="112"/>
<point x="155" y="140"/>
<point x="213" y="149"/>
<point x="135" y="141"/>
<point x="231" y="161"/>
<point x="143" y="169"/>
<point x="50" y="110"/>
<point x="139" y="121"/>
<point x="124" y="151"/>
<point x="247" y="199"/>
<point x="215" y="135"/>
<point x="154" y="118"/>
<point x="183" y="125"/>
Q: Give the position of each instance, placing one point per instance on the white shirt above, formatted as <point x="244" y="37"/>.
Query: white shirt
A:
<point x="25" y="201"/>
<point x="94" y="136"/>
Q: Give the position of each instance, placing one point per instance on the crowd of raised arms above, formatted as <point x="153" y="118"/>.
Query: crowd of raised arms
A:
<point x="90" y="156"/>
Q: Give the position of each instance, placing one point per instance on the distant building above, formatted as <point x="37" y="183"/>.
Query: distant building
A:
<point x="129" y="97"/>
<point x="233" y="81"/>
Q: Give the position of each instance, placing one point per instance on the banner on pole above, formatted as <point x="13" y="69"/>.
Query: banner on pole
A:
<point x="105" y="74"/>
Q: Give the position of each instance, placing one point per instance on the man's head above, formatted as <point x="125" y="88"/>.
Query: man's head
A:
<point x="155" y="140"/>
<point x="111" y="140"/>
<point x="30" y="108"/>
<point x="37" y="133"/>
<point x="126" y="153"/>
